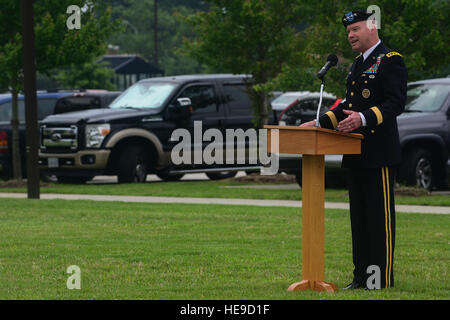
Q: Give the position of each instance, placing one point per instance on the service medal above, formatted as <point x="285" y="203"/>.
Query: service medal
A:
<point x="366" y="93"/>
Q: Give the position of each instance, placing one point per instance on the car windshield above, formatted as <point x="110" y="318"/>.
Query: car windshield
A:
<point x="426" y="97"/>
<point x="144" y="95"/>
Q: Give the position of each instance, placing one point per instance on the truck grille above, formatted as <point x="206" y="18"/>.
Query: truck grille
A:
<point x="59" y="138"/>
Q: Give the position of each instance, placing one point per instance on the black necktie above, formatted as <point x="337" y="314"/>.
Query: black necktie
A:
<point x="359" y="63"/>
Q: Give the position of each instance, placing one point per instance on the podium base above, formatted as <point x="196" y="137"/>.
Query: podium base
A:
<point x="313" y="285"/>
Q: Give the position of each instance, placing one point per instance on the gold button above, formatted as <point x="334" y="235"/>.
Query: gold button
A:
<point x="372" y="131"/>
<point x="351" y="93"/>
<point x="353" y="82"/>
<point x="350" y="105"/>
<point x="365" y="82"/>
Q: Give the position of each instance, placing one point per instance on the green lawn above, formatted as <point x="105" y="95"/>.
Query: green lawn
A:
<point x="222" y="189"/>
<point x="168" y="251"/>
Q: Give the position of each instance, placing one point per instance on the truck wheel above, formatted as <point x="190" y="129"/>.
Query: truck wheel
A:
<point x="170" y="177"/>
<point x="132" y="165"/>
<point x="73" y="179"/>
<point x="221" y="175"/>
<point x="418" y="169"/>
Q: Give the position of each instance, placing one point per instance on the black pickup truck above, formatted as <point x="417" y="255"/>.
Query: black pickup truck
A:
<point x="143" y="128"/>
<point x="47" y="103"/>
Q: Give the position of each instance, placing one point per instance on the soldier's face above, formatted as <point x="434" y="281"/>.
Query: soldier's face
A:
<point x="359" y="36"/>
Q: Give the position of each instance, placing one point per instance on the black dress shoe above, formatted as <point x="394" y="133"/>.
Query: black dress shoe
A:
<point x="354" y="285"/>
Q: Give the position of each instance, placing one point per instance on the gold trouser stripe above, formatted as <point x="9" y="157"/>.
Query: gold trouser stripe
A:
<point x="377" y="114"/>
<point x="389" y="224"/>
<point x="333" y="119"/>
<point x="387" y="220"/>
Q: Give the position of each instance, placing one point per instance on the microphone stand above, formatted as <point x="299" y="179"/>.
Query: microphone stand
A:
<point x="320" y="100"/>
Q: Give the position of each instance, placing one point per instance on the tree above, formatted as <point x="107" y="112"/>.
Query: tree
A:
<point x="254" y="37"/>
<point x="138" y="34"/>
<point x="55" y="46"/>
<point x="89" y="75"/>
<point x="419" y="30"/>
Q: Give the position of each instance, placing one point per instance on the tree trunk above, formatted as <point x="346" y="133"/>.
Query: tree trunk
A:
<point x="16" y="158"/>
<point x="155" y="35"/>
<point x="261" y="108"/>
<point x="265" y="108"/>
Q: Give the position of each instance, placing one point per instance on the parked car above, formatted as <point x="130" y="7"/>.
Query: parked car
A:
<point x="424" y="131"/>
<point x="133" y="137"/>
<point x="300" y="100"/>
<point x="274" y="94"/>
<point x="48" y="103"/>
<point x="304" y="109"/>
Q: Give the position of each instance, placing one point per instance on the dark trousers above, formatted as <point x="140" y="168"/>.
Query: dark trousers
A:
<point x="372" y="215"/>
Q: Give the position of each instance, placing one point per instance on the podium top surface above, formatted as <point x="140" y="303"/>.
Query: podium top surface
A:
<point x="324" y="130"/>
<point x="312" y="140"/>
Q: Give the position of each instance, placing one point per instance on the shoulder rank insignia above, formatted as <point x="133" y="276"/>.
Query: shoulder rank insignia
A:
<point x="393" y="53"/>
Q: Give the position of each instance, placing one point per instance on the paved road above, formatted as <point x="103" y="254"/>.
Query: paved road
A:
<point x="252" y="202"/>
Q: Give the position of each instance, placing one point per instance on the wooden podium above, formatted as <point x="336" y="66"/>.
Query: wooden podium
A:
<point x="313" y="143"/>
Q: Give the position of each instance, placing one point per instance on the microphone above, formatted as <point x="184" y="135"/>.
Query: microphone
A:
<point x="331" y="62"/>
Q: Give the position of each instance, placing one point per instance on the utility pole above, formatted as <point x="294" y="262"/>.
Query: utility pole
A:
<point x="29" y="70"/>
<point x="155" y="18"/>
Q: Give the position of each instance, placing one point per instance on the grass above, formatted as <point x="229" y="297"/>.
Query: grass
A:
<point x="223" y="189"/>
<point x="171" y="251"/>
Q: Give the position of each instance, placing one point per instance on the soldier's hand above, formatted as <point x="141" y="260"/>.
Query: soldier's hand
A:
<point x="351" y="123"/>
<point x="311" y="123"/>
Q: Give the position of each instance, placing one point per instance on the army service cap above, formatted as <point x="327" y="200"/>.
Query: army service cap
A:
<point x="355" y="16"/>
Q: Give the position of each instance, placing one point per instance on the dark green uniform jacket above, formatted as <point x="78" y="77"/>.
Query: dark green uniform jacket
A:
<point x="377" y="89"/>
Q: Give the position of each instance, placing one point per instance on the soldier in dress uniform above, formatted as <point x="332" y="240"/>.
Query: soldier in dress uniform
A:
<point x="376" y="95"/>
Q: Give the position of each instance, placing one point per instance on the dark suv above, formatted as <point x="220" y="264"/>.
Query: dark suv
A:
<point x="48" y="103"/>
<point x="424" y="130"/>
<point x="134" y="137"/>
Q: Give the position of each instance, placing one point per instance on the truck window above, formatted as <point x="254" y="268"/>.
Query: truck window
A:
<point x="202" y="97"/>
<point x="150" y="95"/>
<point x="426" y="97"/>
<point x="45" y="108"/>
<point x="238" y="100"/>
<point x="6" y="111"/>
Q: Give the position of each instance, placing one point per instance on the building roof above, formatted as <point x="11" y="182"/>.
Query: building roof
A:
<point x="129" y="64"/>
